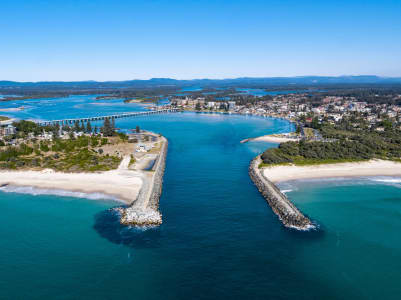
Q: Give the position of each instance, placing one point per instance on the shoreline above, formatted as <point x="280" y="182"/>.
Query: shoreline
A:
<point x="369" y="168"/>
<point x="286" y="211"/>
<point x="121" y="184"/>
<point x="144" y="211"/>
<point x="35" y="191"/>
<point x="272" y="138"/>
<point x="139" y="190"/>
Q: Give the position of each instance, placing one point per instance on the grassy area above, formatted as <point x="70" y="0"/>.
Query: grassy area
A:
<point x="308" y="133"/>
<point x="132" y="161"/>
<point x="82" y="154"/>
<point x="3" y="118"/>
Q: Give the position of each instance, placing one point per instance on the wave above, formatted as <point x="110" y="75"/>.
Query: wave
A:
<point x="294" y="185"/>
<point x="56" y="192"/>
<point x="387" y="180"/>
<point x="286" y="191"/>
<point x="311" y="227"/>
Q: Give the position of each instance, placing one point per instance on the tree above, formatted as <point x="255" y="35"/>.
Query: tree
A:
<point x="298" y="130"/>
<point x="88" y="127"/>
<point x="76" y="127"/>
<point x="387" y="124"/>
<point x="107" y="130"/>
<point x="113" y="124"/>
<point x="137" y="129"/>
<point x="198" y="106"/>
<point x="66" y="127"/>
<point x="82" y="129"/>
<point x="95" y="130"/>
<point x="315" y="123"/>
<point x="56" y="130"/>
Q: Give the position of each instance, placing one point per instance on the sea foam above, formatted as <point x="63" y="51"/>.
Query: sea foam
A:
<point x="56" y="192"/>
<point x="387" y="179"/>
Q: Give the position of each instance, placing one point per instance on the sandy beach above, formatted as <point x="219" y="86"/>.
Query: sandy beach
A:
<point x="368" y="168"/>
<point x="121" y="183"/>
<point x="273" y="138"/>
<point x="12" y="109"/>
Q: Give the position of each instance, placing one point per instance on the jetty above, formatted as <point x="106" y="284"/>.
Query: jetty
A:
<point x="115" y="116"/>
<point x="144" y="211"/>
<point x="288" y="214"/>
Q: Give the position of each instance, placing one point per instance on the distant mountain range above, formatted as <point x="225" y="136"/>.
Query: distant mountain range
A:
<point x="244" y="81"/>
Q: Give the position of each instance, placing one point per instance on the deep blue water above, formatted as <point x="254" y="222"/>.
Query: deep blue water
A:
<point x="219" y="238"/>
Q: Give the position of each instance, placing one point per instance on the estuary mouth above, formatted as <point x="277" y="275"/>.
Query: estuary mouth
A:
<point x="107" y="225"/>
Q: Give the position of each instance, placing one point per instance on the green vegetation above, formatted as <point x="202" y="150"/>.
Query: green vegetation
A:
<point x="3" y="118"/>
<point x="344" y="142"/>
<point x="132" y="160"/>
<point x="69" y="154"/>
<point x="108" y="128"/>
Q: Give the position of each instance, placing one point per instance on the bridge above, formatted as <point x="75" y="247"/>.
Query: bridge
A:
<point x="100" y="118"/>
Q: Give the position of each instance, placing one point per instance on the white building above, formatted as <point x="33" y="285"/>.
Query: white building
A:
<point x="6" y="130"/>
<point x="211" y="104"/>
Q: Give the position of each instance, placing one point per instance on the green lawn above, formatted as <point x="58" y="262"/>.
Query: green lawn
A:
<point x="3" y="118"/>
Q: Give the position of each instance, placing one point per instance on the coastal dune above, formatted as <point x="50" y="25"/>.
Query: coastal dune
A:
<point x="352" y="169"/>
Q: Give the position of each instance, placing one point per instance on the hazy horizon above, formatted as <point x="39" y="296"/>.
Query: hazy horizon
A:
<point x="120" y="40"/>
<point x="205" y="78"/>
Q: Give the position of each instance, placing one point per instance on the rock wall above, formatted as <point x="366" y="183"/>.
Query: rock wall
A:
<point x="288" y="214"/>
<point x="150" y="193"/>
<point x="159" y="168"/>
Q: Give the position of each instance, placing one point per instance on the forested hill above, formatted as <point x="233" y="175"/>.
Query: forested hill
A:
<point x="248" y="81"/>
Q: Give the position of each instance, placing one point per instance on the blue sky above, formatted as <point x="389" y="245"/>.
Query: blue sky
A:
<point x="120" y="40"/>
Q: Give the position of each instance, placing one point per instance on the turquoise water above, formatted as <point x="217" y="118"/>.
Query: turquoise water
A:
<point x="67" y="107"/>
<point x="359" y="251"/>
<point x="219" y="238"/>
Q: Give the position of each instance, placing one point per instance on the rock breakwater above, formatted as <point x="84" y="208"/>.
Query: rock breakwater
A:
<point x="145" y="210"/>
<point x="288" y="214"/>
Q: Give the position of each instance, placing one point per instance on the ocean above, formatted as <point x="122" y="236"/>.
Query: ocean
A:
<point x="219" y="237"/>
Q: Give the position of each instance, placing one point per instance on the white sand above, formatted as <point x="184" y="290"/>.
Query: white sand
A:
<point x="368" y="168"/>
<point x="273" y="138"/>
<point x="121" y="183"/>
<point x="11" y="109"/>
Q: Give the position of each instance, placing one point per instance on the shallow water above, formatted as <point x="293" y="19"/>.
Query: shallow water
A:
<point x="219" y="238"/>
